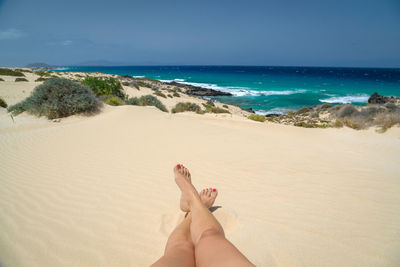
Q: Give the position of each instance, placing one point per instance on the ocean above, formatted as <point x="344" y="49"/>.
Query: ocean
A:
<point x="273" y="89"/>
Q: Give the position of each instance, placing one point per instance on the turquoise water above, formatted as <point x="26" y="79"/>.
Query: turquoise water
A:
<point x="273" y="89"/>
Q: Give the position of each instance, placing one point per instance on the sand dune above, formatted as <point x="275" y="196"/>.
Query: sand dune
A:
<point x="99" y="191"/>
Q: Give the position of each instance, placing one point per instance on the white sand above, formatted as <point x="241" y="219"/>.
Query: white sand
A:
<point x="99" y="191"/>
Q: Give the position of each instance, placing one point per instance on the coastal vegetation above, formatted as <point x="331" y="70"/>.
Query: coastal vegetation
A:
<point x="104" y="86"/>
<point x="158" y="93"/>
<point x="256" y="117"/>
<point x="147" y="100"/>
<point x="57" y="98"/>
<point x="382" y="114"/>
<point x="187" y="106"/>
<point x="3" y="103"/>
<point x="21" y="80"/>
<point x="42" y="73"/>
<point x="24" y="70"/>
<point x="1" y="80"/>
<point x="40" y="79"/>
<point x="210" y="107"/>
<point x="10" y="72"/>
<point x="114" y="101"/>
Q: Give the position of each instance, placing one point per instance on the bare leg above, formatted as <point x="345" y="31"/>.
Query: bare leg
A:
<point x="211" y="246"/>
<point x="179" y="250"/>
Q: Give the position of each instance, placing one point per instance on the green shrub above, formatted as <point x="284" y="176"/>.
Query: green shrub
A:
<point x="104" y="86"/>
<point x="305" y="124"/>
<point x="23" y="70"/>
<point x="10" y="72"/>
<point x="133" y="101"/>
<point x="219" y="110"/>
<point x="56" y="98"/>
<point x="303" y="111"/>
<point x="225" y="106"/>
<point x="114" y="101"/>
<point x="255" y="117"/>
<point x="346" y="111"/>
<point x="176" y="94"/>
<point x="160" y="94"/>
<point x="182" y="107"/>
<point x="3" y="103"/>
<point x="147" y="100"/>
<point x="170" y="96"/>
<point x="21" y="80"/>
<point x="1" y="80"/>
<point x="40" y="79"/>
<point x="42" y="73"/>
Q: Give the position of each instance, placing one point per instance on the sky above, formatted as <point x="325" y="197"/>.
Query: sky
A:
<point x="347" y="33"/>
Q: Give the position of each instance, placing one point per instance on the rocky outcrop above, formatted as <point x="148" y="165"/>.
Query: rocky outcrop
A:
<point x="199" y="91"/>
<point x="375" y="98"/>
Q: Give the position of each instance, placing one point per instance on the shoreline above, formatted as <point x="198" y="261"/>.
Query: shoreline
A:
<point x="378" y="113"/>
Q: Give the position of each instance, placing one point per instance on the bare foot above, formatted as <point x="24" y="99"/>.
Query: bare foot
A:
<point x="182" y="179"/>
<point x="208" y="196"/>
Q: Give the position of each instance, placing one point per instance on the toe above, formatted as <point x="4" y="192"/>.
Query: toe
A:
<point x="209" y="192"/>
<point x="214" y="192"/>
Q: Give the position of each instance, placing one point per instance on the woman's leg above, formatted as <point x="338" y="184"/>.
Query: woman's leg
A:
<point x="179" y="250"/>
<point x="211" y="246"/>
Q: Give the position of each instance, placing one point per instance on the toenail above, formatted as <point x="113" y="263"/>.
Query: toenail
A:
<point x="214" y="189"/>
<point x="179" y="165"/>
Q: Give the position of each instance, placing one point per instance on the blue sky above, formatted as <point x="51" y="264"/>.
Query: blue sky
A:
<point x="364" y="33"/>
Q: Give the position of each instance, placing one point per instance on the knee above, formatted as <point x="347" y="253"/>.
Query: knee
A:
<point x="211" y="233"/>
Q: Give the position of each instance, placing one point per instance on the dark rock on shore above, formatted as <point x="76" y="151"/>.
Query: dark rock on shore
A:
<point x="199" y="91"/>
<point x="273" y="115"/>
<point x="249" y="110"/>
<point x="375" y="98"/>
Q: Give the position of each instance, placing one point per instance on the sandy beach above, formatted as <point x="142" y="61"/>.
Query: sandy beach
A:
<point x="99" y="190"/>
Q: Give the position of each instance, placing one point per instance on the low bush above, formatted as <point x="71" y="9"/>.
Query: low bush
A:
<point x="43" y="73"/>
<point x="57" y="98"/>
<point x="176" y="94"/>
<point x="1" y="80"/>
<point x="225" y="106"/>
<point x="187" y="106"/>
<point x="170" y="96"/>
<point x="3" y="103"/>
<point x="303" y="111"/>
<point x="114" y="101"/>
<point x="10" y="72"/>
<point x="21" y="80"/>
<point x="41" y="79"/>
<point x="147" y="100"/>
<point x="338" y="123"/>
<point x="158" y="93"/>
<point x="104" y="86"/>
<point x="255" y="117"/>
<point x="346" y="111"/>
<point x="219" y="110"/>
<point x="23" y="70"/>
<point x="386" y="121"/>
<point x="133" y="101"/>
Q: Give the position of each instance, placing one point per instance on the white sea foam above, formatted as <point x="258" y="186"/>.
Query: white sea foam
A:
<point x="62" y="68"/>
<point x="138" y="76"/>
<point x="238" y="90"/>
<point x="281" y="111"/>
<point x="346" y="99"/>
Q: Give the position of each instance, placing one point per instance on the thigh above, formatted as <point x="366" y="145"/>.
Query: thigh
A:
<point x="177" y="255"/>
<point x="213" y="249"/>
